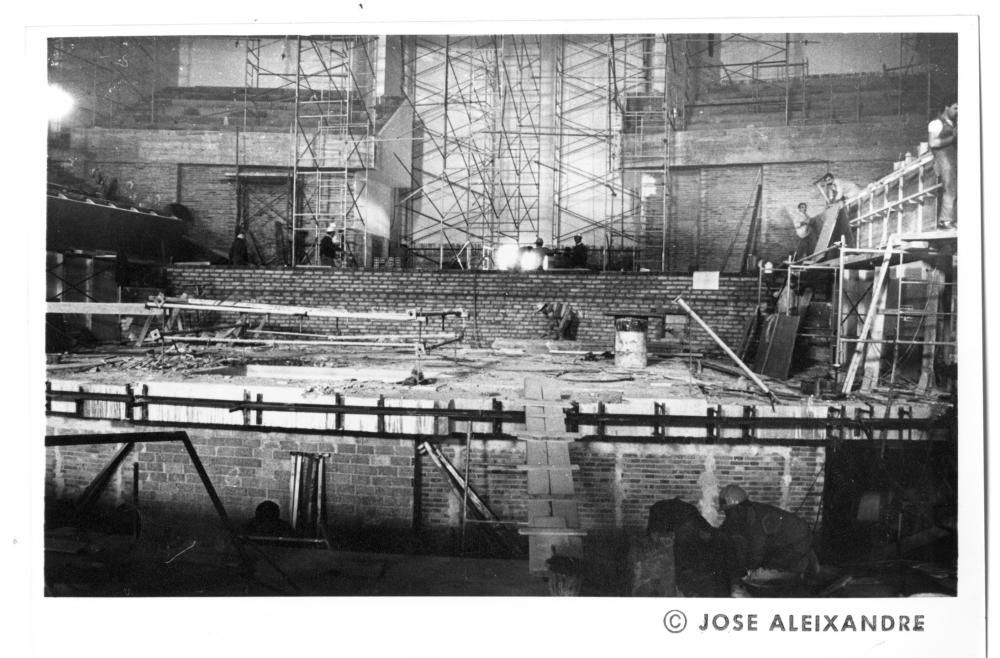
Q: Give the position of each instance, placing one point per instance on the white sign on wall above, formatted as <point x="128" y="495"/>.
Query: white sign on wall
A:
<point x="705" y="281"/>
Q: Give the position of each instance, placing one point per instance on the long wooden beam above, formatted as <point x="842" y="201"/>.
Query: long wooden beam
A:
<point x="100" y="308"/>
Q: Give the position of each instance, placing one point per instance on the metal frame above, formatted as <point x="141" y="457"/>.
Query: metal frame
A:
<point x="333" y="139"/>
<point x="835" y="426"/>
<point x="129" y="439"/>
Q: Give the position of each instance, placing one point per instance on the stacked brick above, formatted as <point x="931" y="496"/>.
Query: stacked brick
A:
<point x="500" y="304"/>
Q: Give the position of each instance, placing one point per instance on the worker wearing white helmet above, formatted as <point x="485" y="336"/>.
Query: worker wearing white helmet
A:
<point x="329" y="246"/>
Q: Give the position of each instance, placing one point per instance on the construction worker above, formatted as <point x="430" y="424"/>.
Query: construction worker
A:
<point x="942" y="137"/>
<point x="534" y="258"/>
<point x="579" y="253"/>
<point x="764" y="536"/>
<point x="329" y="246"/>
<point x="562" y="320"/>
<point x="239" y="255"/>
<point x="805" y="231"/>
<point x="838" y="190"/>
<point x="699" y="549"/>
<point x="267" y="522"/>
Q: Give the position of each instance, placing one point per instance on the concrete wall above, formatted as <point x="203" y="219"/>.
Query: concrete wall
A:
<point x="826" y="53"/>
<point x="713" y="175"/>
<point x="501" y="304"/>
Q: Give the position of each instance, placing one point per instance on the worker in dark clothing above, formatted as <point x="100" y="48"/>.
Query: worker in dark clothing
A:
<point x="579" y="257"/>
<point x="534" y="258"/>
<point x="329" y="247"/>
<point x="562" y="320"/>
<point x="239" y="255"/>
<point x="764" y="536"/>
<point x="267" y="522"/>
<point x="699" y="549"/>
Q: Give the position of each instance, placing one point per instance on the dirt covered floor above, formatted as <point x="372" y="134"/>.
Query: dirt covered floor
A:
<point x="585" y="373"/>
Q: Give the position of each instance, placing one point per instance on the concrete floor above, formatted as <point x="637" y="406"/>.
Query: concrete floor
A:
<point x="114" y="566"/>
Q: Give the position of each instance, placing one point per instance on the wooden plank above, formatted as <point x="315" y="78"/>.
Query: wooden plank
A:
<point x="548" y="522"/>
<point x="826" y="231"/>
<point x="99" y="308"/>
<point x="764" y="342"/>
<point x="567" y="509"/>
<point x="558" y="453"/>
<point x="561" y="482"/>
<point x="538" y="508"/>
<point x="872" y="363"/>
<point x="538" y="482"/>
<point x="926" y="382"/>
<point x="536" y="453"/>
<point x="145" y="330"/>
<point x="859" y="349"/>
<point x="781" y="346"/>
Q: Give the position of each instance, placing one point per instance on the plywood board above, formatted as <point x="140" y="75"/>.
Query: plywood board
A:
<point x="781" y="346"/>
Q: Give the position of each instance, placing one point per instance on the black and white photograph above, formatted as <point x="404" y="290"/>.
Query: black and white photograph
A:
<point x="455" y="335"/>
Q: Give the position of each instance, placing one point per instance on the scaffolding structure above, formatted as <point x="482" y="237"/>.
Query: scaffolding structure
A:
<point x="476" y="104"/>
<point x="494" y="164"/>
<point x="893" y="292"/>
<point x="514" y="137"/>
<point x="333" y="142"/>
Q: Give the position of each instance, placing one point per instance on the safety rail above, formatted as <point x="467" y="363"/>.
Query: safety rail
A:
<point x="835" y="426"/>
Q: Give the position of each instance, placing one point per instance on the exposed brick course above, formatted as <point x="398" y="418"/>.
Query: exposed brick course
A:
<point x="500" y="304"/>
<point x="614" y="484"/>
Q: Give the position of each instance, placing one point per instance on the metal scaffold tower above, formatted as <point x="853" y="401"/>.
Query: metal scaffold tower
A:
<point x="476" y="103"/>
<point x="334" y="132"/>
<point x="611" y="161"/>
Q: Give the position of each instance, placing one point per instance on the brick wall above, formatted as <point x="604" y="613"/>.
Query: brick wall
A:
<point x="368" y="481"/>
<point x="500" y="304"/>
<point x="371" y="481"/>
<point x="147" y="185"/>
<point x="212" y="199"/>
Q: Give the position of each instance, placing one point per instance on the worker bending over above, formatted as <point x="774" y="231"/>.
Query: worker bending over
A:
<point x="562" y="320"/>
<point x="765" y="536"/>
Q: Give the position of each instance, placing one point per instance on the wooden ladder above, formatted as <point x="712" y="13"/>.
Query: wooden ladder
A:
<point x="861" y="347"/>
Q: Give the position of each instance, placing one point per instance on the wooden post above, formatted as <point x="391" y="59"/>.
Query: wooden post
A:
<point x="930" y="320"/>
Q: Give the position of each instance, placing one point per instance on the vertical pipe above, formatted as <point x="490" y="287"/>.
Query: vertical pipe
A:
<point x="667" y="139"/>
<point x="418" y="479"/>
<point x="295" y="151"/>
<point x="838" y="351"/>
<point x="465" y="489"/>
<point x="294" y="512"/>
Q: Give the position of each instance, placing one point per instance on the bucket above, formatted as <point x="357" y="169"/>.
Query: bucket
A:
<point x="630" y="343"/>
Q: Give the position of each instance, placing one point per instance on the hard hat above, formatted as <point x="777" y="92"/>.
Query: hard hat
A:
<point x="331" y="228"/>
<point x="732" y="495"/>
